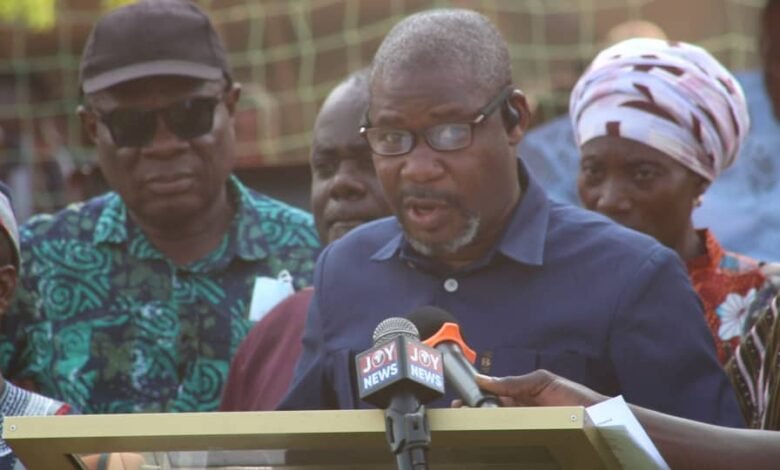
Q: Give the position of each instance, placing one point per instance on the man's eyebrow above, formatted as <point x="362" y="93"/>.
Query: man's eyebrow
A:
<point x="388" y="119"/>
<point x="450" y="110"/>
<point x="448" y="113"/>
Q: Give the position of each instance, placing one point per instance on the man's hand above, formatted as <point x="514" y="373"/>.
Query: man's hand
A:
<point x="539" y="388"/>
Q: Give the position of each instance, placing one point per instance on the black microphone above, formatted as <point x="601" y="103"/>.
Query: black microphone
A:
<point x="440" y="330"/>
<point x="401" y="374"/>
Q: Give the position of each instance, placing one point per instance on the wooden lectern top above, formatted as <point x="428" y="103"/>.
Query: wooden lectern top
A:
<point x="465" y="438"/>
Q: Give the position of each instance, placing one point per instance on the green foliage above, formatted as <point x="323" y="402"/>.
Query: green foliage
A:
<point x="40" y="15"/>
<point x="35" y="14"/>
<point x="111" y="4"/>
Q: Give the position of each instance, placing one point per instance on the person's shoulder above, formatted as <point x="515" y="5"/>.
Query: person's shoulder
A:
<point x="284" y="323"/>
<point x="76" y="221"/>
<point x="295" y="305"/>
<point x="360" y="245"/>
<point x="367" y="238"/>
<point x="588" y="230"/>
<point x="739" y="263"/>
<point x="289" y="315"/>
<point x="277" y="223"/>
<point x="272" y="209"/>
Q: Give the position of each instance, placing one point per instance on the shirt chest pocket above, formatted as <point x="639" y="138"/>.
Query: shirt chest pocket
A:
<point x="504" y="361"/>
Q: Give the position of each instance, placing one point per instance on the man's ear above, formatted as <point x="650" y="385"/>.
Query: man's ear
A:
<point x="231" y="98"/>
<point x="519" y="104"/>
<point x="7" y="286"/>
<point x="88" y="121"/>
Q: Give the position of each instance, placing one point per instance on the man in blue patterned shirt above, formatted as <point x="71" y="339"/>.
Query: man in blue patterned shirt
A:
<point x="135" y="301"/>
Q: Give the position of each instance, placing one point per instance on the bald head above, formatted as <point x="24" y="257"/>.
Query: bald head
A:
<point x="462" y="42"/>
<point x="345" y="191"/>
<point x="352" y="92"/>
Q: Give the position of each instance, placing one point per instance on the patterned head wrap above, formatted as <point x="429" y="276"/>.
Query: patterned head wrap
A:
<point x="672" y="96"/>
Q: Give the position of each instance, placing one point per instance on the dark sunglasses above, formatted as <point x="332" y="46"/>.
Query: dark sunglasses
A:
<point x="135" y="127"/>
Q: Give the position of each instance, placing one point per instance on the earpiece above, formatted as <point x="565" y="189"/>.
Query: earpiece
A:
<point x="510" y="115"/>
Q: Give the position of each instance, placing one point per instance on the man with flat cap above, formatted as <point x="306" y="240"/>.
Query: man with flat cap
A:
<point x="136" y="300"/>
<point x="533" y="284"/>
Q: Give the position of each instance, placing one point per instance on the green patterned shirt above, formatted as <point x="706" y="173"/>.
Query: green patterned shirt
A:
<point x="104" y="321"/>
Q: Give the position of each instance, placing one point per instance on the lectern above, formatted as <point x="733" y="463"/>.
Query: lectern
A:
<point x="465" y="438"/>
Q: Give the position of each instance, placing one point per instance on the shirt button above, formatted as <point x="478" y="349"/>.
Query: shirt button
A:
<point x="451" y="285"/>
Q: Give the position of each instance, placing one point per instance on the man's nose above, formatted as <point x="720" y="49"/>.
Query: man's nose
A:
<point x="423" y="164"/>
<point x="347" y="182"/>
<point x="164" y="142"/>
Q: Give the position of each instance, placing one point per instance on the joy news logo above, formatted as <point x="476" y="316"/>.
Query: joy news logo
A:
<point x="425" y="365"/>
<point x="378" y="365"/>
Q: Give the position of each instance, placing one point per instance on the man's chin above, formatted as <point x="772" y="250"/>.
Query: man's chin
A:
<point x="339" y="229"/>
<point x="169" y="213"/>
<point x="337" y="232"/>
<point x="434" y="247"/>
<point x="426" y="248"/>
<point x="440" y="242"/>
<point x="423" y="241"/>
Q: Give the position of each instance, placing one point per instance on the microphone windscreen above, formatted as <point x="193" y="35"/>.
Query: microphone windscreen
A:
<point x="392" y="328"/>
<point x="429" y="320"/>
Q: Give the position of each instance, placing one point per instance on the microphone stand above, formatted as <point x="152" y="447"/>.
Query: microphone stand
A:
<point x="407" y="432"/>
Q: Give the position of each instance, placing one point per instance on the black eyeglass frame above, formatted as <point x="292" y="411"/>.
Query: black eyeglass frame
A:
<point x="484" y="113"/>
<point x="151" y="114"/>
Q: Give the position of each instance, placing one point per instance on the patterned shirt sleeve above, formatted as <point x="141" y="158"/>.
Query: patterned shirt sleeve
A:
<point x="755" y="369"/>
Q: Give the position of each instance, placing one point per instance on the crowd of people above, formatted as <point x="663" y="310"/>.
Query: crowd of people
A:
<point x="428" y="188"/>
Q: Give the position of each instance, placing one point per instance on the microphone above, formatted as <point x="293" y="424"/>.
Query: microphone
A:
<point x="441" y="331"/>
<point x="401" y="374"/>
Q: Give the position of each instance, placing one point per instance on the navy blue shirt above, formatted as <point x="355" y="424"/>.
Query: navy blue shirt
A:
<point x="565" y="290"/>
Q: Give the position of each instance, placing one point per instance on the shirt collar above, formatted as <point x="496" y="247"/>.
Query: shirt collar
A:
<point x="114" y="226"/>
<point x="525" y="235"/>
<point x="247" y="227"/>
<point x="111" y="225"/>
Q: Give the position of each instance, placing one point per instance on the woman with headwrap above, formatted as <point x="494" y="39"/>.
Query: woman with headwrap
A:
<point x="656" y="122"/>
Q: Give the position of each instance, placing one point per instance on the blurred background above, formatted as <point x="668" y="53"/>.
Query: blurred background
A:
<point x="288" y="54"/>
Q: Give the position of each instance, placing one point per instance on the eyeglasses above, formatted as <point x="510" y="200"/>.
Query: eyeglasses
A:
<point x="390" y="142"/>
<point x="187" y="119"/>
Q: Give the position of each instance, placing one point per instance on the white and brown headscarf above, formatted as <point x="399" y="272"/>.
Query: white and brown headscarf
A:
<point x="672" y="96"/>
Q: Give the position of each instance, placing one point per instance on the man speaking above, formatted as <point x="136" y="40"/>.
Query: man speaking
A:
<point x="533" y="284"/>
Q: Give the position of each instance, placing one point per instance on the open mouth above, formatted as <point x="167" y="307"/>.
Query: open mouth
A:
<point x="428" y="214"/>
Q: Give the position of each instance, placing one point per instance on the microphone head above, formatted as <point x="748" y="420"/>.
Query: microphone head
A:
<point x="437" y="326"/>
<point x="430" y="319"/>
<point x="392" y="328"/>
<point x="398" y="363"/>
